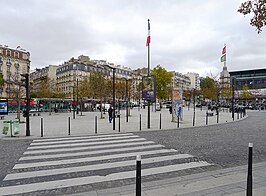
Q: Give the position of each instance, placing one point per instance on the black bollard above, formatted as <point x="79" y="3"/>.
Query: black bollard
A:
<point x="237" y="115"/>
<point x="119" y="123"/>
<point x="96" y="125"/>
<point x="249" y="179"/>
<point x="160" y="121"/>
<point x="178" y="121"/>
<point x="41" y="127"/>
<point x="138" y="176"/>
<point x="68" y="125"/>
<point x="217" y="116"/>
<point x="140" y="122"/>
<point x="206" y="117"/>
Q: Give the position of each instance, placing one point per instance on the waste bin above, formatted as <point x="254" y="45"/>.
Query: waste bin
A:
<point x="11" y="127"/>
<point x="6" y="127"/>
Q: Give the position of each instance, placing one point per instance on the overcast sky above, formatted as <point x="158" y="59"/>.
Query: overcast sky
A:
<point x="186" y="36"/>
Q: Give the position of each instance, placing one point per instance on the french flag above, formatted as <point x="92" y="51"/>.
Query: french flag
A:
<point x="149" y="35"/>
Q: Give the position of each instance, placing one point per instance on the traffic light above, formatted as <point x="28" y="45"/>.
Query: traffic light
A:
<point x="26" y="83"/>
<point x="25" y="80"/>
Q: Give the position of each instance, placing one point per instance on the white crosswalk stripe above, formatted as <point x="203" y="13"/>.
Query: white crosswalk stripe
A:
<point x="105" y="158"/>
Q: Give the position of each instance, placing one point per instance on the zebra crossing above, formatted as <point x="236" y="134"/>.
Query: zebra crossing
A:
<point x="65" y="163"/>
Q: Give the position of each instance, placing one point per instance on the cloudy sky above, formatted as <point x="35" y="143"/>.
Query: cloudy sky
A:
<point x="186" y="36"/>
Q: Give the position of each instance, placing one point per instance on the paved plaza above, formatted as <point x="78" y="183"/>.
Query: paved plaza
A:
<point x="200" y="160"/>
<point x="56" y="124"/>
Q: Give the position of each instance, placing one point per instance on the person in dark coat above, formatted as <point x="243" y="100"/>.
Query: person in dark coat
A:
<point x="110" y="114"/>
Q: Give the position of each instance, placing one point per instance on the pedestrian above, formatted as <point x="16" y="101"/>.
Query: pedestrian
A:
<point x="110" y="114"/>
<point x="170" y="109"/>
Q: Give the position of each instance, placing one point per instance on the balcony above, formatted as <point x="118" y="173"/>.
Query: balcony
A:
<point x="8" y="63"/>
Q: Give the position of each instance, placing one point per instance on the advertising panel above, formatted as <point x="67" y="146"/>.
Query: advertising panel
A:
<point x="149" y="88"/>
<point x="3" y="107"/>
<point x="177" y="104"/>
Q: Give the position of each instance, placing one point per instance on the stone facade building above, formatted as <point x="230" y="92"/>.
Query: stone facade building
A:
<point x="13" y="62"/>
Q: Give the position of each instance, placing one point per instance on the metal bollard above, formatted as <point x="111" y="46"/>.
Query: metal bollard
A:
<point x="249" y="178"/>
<point x="119" y="123"/>
<point x="96" y="128"/>
<point x="68" y="125"/>
<point x="160" y="126"/>
<point x="140" y="122"/>
<point x="206" y="117"/>
<point x="178" y="121"/>
<point x="138" y="176"/>
<point x="217" y="117"/>
<point x="237" y="115"/>
<point x="41" y="127"/>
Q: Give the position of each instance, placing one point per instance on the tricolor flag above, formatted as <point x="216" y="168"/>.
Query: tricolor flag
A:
<point x="223" y="58"/>
<point x="149" y="35"/>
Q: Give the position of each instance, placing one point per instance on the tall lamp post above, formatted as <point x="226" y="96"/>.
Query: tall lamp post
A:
<point x="113" y="68"/>
<point x="233" y="97"/>
<point x="77" y="95"/>
<point x="194" y="106"/>
<point x="127" y="98"/>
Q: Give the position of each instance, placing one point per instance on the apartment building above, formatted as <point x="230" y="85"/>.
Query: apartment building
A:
<point x="181" y="81"/>
<point x="74" y="70"/>
<point x="13" y="62"/>
<point x="46" y="75"/>
<point x="194" y="80"/>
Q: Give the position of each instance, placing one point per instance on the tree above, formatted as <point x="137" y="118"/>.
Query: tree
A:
<point x="163" y="82"/>
<point x="97" y="87"/>
<point x="258" y="8"/>
<point x="208" y="88"/>
<point x="83" y="91"/>
<point x="245" y="94"/>
<point x="226" y="93"/>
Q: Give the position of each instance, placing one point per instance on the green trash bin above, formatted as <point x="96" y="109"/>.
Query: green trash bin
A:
<point x="11" y="127"/>
<point x="15" y="127"/>
<point x="6" y="127"/>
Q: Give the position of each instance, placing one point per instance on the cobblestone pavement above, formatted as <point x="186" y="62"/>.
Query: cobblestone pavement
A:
<point x="67" y="166"/>
<point x="224" y="144"/>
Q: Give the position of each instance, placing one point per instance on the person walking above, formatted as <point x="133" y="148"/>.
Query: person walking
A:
<point x="110" y="114"/>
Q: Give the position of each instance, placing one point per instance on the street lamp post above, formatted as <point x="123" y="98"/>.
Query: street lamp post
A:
<point x="113" y="94"/>
<point x="233" y="98"/>
<point x="113" y="98"/>
<point x="77" y="95"/>
<point x="194" y="108"/>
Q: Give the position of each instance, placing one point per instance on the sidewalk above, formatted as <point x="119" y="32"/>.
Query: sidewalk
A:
<point x="56" y="124"/>
<point x="230" y="181"/>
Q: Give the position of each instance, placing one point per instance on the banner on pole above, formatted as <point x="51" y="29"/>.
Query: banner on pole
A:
<point x="177" y="104"/>
<point x="149" y="88"/>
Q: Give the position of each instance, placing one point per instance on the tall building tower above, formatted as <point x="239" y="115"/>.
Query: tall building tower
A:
<point x="224" y="78"/>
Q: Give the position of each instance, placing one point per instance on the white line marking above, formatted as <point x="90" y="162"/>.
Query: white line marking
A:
<point x="87" y="148"/>
<point x="25" y="188"/>
<point x="85" y="144"/>
<point x="41" y="173"/>
<point x="89" y="152"/>
<point x="87" y="159"/>
<point x="80" y="137"/>
<point x="83" y="140"/>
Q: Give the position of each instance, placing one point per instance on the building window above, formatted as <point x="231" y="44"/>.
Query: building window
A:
<point x="8" y="61"/>
<point x="8" y="53"/>
<point x="8" y="68"/>
<point x="16" y="54"/>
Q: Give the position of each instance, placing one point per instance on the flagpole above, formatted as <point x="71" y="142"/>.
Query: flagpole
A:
<point x="225" y="56"/>
<point x="149" y="107"/>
